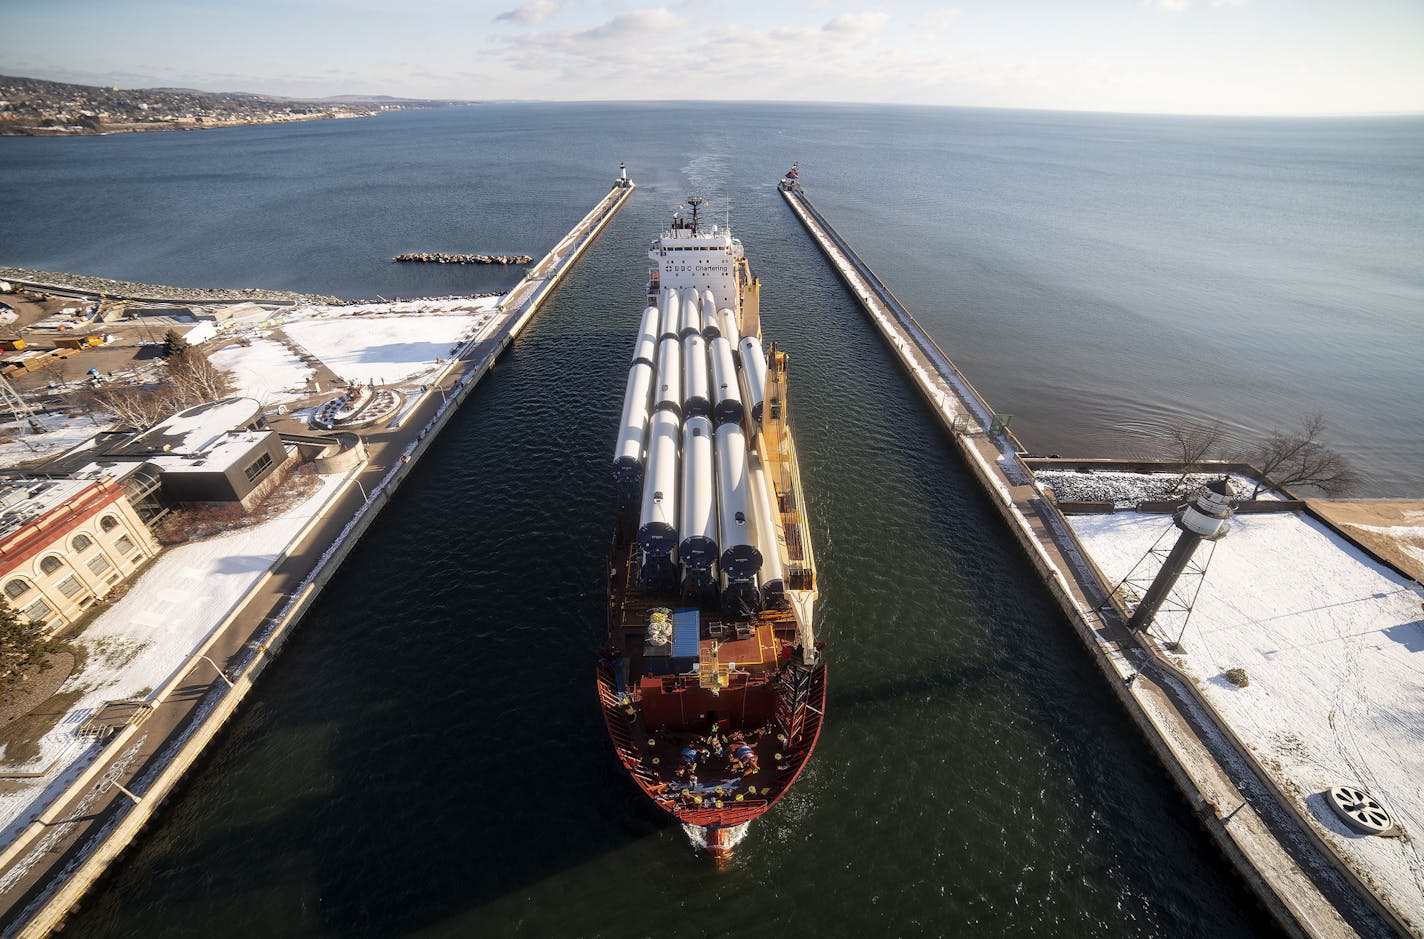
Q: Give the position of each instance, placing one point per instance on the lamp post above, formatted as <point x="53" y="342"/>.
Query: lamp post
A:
<point x="221" y="674"/>
<point x="111" y="780"/>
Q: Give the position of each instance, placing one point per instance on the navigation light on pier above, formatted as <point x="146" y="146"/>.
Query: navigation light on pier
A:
<point x="1206" y="518"/>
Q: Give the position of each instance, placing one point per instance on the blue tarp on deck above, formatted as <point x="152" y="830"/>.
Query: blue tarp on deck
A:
<point x="685" y="632"/>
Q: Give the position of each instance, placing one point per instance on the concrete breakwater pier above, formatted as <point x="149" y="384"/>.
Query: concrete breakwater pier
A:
<point x="1295" y="872"/>
<point x="85" y="822"/>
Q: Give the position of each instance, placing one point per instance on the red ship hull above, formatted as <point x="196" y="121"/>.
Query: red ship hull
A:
<point x="800" y="700"/>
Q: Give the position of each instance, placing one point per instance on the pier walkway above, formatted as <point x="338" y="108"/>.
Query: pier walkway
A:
<point x="1301" y="882"/>
<point x="85" y="827"/>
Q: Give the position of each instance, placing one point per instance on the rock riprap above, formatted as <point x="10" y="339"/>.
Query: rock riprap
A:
<point x="437" y="257"/>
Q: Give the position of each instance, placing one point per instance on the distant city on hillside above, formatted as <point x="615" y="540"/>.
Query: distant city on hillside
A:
<point x="34" y="107"/>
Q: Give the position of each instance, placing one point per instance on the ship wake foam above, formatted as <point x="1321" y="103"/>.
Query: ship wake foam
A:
<point x="698" y="835"/>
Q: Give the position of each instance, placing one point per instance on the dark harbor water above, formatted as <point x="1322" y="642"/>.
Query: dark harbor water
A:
<point x="426" y="758"/>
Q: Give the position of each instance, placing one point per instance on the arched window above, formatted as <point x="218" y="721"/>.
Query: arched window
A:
<point x="16" y="588"/>
<point x="81" y="543"/>
<point x="108" y="523"/>
<point x="51" y="564"/>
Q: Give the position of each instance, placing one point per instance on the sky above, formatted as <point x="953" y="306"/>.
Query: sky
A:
<point x="1153" y="56"/>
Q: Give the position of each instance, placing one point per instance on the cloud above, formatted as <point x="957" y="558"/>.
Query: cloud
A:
<point x="634" y="24"/>
<point x="850" y="57"/>
<point x="531" y="14"/>
<point x="790" y="34"/>
<point x="1170" y="6"/>
<point x="626" y="48"/>
<point x="856" y="24"/>
<point x="939" y="19"/>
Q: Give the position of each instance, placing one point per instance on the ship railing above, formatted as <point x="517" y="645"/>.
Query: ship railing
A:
<point x="621" y="731"/>
<point x="798" y="496"/>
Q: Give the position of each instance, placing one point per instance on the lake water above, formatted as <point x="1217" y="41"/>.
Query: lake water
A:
<point x="1097" y="276"/>
<point x="427" y="757"/>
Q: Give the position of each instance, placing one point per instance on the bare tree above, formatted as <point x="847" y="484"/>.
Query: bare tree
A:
<point x="196" y="379"/>
<point x="1300" y="459"/>
<point x="190" y="379"/>
<point x="1191" y="444"/>
<point x="135" y="406"/>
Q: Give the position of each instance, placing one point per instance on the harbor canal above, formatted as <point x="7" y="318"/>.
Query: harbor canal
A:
<point x="427" y="756"/>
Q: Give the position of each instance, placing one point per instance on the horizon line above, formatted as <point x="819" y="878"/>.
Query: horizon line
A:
<point x="753" y="101"/>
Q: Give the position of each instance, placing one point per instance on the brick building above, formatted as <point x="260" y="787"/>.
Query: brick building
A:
<point x="66" y="542"/>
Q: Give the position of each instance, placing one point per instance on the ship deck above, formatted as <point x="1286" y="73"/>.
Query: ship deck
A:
<point x="676" y="715"/>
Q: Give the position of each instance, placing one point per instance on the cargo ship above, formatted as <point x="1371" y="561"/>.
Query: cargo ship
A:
<point x="712" y="683"/>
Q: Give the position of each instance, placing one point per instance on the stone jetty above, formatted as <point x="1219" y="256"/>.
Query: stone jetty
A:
<point x="427" y="257"/>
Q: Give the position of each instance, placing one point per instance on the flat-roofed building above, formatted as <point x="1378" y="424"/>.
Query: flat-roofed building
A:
<point x="218" y="452"/>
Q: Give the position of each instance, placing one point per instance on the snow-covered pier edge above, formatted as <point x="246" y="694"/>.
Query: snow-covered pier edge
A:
<point x="477" y="355"/>
<point x="1308" y="887"/>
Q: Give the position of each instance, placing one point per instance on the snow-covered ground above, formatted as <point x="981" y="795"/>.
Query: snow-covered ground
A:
<point x="385" y="350"/>
<point x="388" y="343"/>
<point x="62" y="433"/>
<point x="1333" y="646"/>
<point x="139" y="643"/>
<point x="265" y="370"/>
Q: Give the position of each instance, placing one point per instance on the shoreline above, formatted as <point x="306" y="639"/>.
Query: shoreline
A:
<point x="11" y="129"/>
<point x="109" y="130"/>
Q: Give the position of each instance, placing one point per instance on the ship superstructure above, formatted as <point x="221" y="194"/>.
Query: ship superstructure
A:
<point x="711" y="682"/>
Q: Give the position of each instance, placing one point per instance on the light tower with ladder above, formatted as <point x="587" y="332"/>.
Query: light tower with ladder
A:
<point x="1205" y="518"/>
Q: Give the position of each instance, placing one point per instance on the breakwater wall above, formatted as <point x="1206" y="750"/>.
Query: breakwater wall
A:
<point x="74" y="876"/>
<point x="1309" y="892"/>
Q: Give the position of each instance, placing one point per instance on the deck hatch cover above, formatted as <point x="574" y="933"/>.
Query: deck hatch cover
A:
<point x="685" y="632"/>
